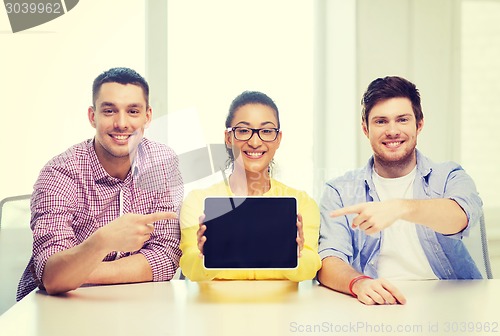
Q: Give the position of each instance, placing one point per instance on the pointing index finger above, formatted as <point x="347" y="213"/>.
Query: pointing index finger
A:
<point x="156" y="216"/>
<point x="353" y="209"/>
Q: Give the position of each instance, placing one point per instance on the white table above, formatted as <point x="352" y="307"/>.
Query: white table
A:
<point x="256" y="308"/>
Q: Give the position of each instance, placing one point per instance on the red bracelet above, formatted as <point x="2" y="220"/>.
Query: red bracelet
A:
<point x="353" y="281"/>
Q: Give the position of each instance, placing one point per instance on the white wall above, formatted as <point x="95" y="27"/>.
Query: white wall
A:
<point x="46" y="78"/>
<point x="217" y="49"/>
<point x="359" y="41"/>
<point x="335" y="117"/>
<point x="418" y="40"/>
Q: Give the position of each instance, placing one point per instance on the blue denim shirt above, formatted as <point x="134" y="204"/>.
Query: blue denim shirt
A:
<point x="447" y="255"/>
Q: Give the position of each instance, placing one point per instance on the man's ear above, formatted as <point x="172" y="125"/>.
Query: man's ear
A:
<point x="420" y="125"/>
<point x="91" y="115"/>
<point x="149" y="116"/>
<point x="365" y="128"/>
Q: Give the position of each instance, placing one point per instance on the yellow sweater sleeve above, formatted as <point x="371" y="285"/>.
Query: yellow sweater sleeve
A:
<point x="309" y="262"/>
<point x="191" y="263"/>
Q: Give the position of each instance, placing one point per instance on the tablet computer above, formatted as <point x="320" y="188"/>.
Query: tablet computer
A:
<point x="250" y="233"/>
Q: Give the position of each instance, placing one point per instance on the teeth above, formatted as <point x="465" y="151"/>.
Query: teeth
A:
<point x="120" y="137"/>
<point x="254" y="154"/>
<point x="393" y="144"/>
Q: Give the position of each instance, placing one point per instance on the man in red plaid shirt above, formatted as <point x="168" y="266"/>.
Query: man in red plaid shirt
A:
<point x="105" y="210"/>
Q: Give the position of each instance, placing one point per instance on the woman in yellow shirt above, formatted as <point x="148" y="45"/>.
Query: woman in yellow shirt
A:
<point x="252" y="136"/>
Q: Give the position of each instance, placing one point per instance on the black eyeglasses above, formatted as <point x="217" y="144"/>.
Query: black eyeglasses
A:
<point x="246" y="133"/>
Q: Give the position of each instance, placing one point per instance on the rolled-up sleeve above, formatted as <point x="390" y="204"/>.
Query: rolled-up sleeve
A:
<point x="335" y="238"/>
<point x="461" y="188"/>
<point x="162" y="249"/>
<point x="53" y="205"/>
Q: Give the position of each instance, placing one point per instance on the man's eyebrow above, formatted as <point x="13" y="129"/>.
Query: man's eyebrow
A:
<point x="110" y="104"/>
<point x="398" y="116"/>
<point x="378" y="117"/>
<point x="135" y="105"/>
<point x="106" y="104"/>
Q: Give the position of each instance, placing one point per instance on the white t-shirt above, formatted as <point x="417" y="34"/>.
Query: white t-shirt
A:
<point x="401" y="255"/>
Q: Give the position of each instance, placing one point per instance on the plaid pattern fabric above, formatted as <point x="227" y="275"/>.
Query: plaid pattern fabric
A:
<point x="74" y="196"/>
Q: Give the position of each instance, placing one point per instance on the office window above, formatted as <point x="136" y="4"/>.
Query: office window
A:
<point x="217" y="49"/>
<point x="480" y="117"/>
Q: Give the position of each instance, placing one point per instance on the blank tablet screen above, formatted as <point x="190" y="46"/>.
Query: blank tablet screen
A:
<point x="250" y="233"/>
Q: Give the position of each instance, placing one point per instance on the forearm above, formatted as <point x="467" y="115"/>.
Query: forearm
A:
<point x="134" y="268"/>
<point x="69" y="269"/>
<point x="336" y="274"/>
<point x="441" y="215"/>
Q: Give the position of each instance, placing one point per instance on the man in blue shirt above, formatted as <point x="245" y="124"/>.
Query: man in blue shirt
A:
<point x="402" y="216"/>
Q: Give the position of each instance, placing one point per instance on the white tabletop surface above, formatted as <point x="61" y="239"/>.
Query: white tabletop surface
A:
<point x="262" y="308"/>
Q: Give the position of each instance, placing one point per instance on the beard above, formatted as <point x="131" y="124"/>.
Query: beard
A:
<point x="395" y="165"/>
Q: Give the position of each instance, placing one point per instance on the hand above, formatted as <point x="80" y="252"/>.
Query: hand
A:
<point x="372" y="216"/>
<point x="377" y="291"/>
<point x="130" y="231"/>
<point x="201" y="234"/>
<point x="300" y="236"/>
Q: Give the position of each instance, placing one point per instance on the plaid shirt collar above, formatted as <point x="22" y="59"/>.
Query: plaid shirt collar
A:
<point x="101" y="175"/>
